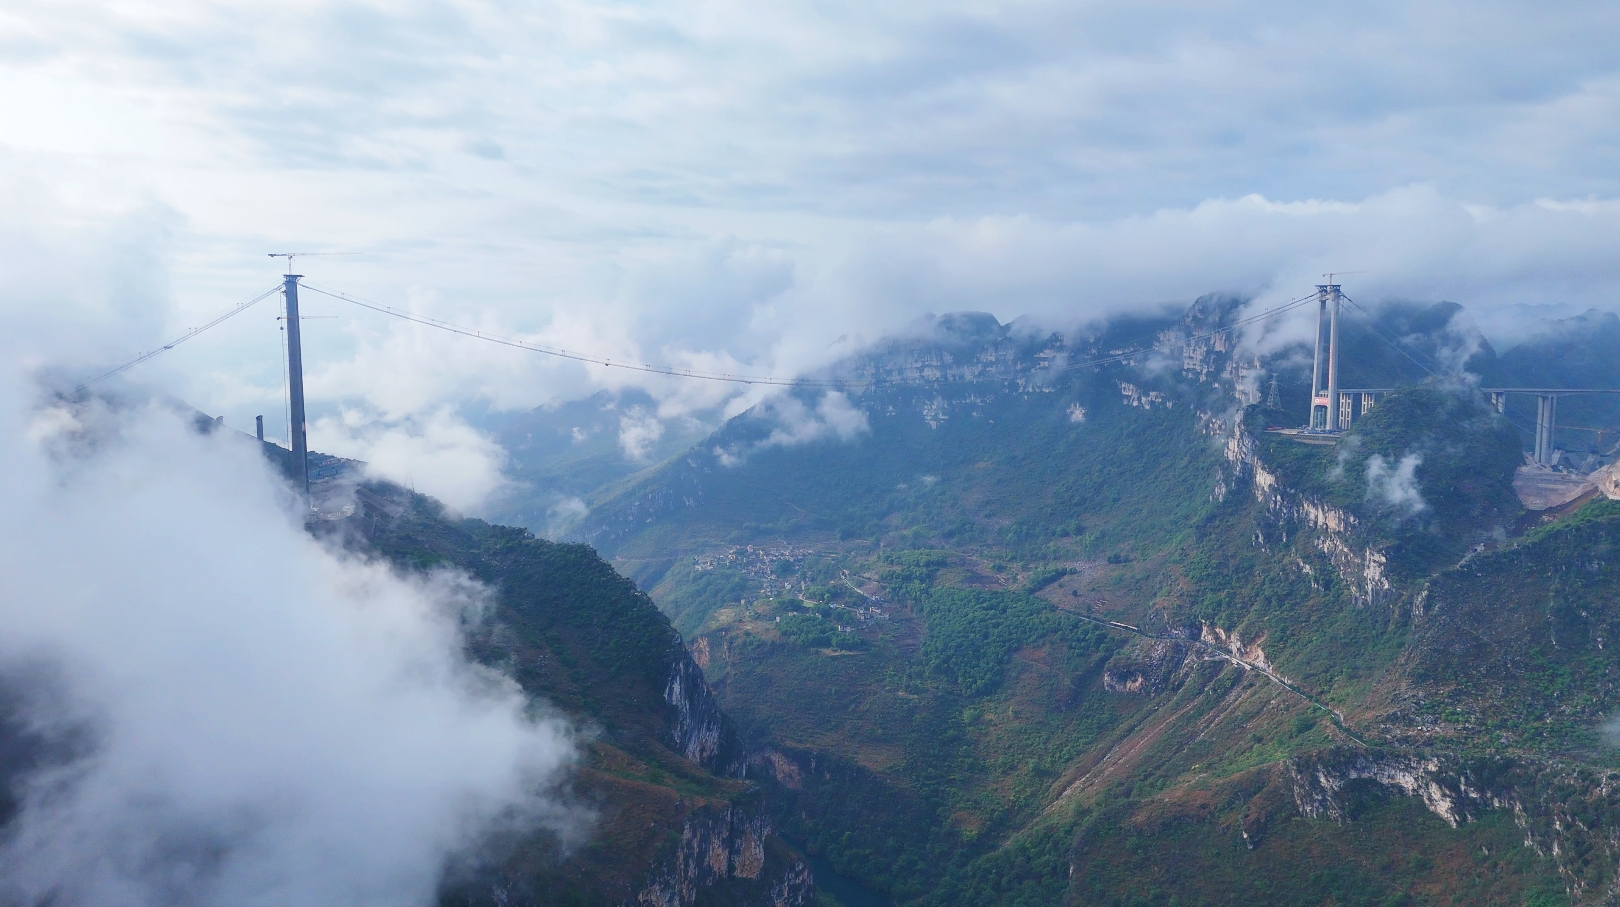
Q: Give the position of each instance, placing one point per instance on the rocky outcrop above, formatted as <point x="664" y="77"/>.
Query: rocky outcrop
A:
<point x="731" y="847"/>
<point x="1249" y="654"/>
<point x="793" y="887"/>
<point x="697" y="728"/>
<point x="1566" y="811"/>
<point x="1321" y="781"/>
<point x="1146" y="669"/>
<point x="779" y="768"/>
<point x="1335" y="531"/>
<point x="957" y="347"/>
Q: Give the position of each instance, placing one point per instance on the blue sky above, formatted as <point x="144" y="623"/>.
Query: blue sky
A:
<point x="727" y="184"/>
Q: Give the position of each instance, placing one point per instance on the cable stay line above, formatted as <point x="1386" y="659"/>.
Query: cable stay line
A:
<point x="1373" y="324"/>
<point x="237" y="310"/>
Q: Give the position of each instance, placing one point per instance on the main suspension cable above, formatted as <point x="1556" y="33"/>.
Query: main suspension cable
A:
<point x="237" y="310"/>
<point x="670" y="370"/>
<point x="677" y="372"/>
<point x="607" y="362"/>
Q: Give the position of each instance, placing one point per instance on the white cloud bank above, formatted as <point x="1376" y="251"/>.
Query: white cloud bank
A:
<point x="834" y="418"/>
<point x="735" y="187"/>
<point x="435" y="452"/>
<point x="639" y="430"/>
<point x="239" y="715"/>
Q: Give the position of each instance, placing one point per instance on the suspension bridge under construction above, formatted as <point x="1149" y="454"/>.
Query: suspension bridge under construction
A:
<point x="1333" y="409"/>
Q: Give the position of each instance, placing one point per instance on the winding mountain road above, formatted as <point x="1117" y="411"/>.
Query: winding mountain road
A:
<point x="1225" y="655"/>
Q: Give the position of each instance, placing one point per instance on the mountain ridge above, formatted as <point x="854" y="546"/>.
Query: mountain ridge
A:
<point x="1145" y="494"/>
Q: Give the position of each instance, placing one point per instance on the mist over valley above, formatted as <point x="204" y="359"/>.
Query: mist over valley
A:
<point x="672" y="455"/>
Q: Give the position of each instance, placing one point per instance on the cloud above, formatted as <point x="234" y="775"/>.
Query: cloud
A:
<point x="909" y="111"/>
<point x="792" y="423"/>
<point x="436" y="453"/>
<point x="639" y="430"/>
<point x="700" y="157"/>
<point x="1341" y="458"/>
<point x="1396" y="486"/>
<point x="834" y="419"/>
<point x="568" y="508"/>
<point x="201" y="703"/>
<point x="736" y="187"/>
<point x="1414" y="241"/>
<point x="231" y="713"/>
<point x="1459" y="342"/>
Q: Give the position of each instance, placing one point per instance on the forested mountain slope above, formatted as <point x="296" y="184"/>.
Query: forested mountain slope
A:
<point x="1044" y="635"/>
<point x="675" y="823"/>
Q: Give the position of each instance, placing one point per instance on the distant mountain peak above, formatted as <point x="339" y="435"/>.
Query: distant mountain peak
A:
<point x="968" y="327"/>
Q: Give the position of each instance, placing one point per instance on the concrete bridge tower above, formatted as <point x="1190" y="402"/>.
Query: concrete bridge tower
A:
<point x="1325" y="415"/>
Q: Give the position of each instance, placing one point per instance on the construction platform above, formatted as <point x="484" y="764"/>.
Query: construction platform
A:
<point x="1316" y="437"/>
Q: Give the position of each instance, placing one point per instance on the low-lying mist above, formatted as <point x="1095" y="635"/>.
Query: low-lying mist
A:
<point x="203" y="705"/>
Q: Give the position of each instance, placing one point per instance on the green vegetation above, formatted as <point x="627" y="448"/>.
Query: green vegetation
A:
<point x="695" y="594"/>
<point x="980" y="734"/>
<point x="814" y="631"/>
<point x="1009" y="472"/>
<point x="1518" y="649"/>
<point x="933" y="759"/>
<point x="1462" y="482"/>
<point x="1395" y="853"/>
<point x="580" y="638"/>
<point x="973" y="634"/>
<point x="1046" y="576"/>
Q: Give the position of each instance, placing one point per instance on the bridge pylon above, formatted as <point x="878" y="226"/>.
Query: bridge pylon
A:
<point x="1326" y="409"/>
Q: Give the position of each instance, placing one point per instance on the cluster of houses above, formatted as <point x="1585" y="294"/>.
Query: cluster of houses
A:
<point x="760" y="564"/>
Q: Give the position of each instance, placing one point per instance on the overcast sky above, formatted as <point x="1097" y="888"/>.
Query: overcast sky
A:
<point x="721" y="184"/>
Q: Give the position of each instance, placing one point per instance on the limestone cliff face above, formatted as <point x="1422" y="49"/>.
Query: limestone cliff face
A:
<point x="959" y="346"/>
<point x="1319" y="783"/>
<point x="1563" y="809"/>
<point x="1335" y="532"/>
<point x="697" y="728"/>
<point x="728" y="847"/>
